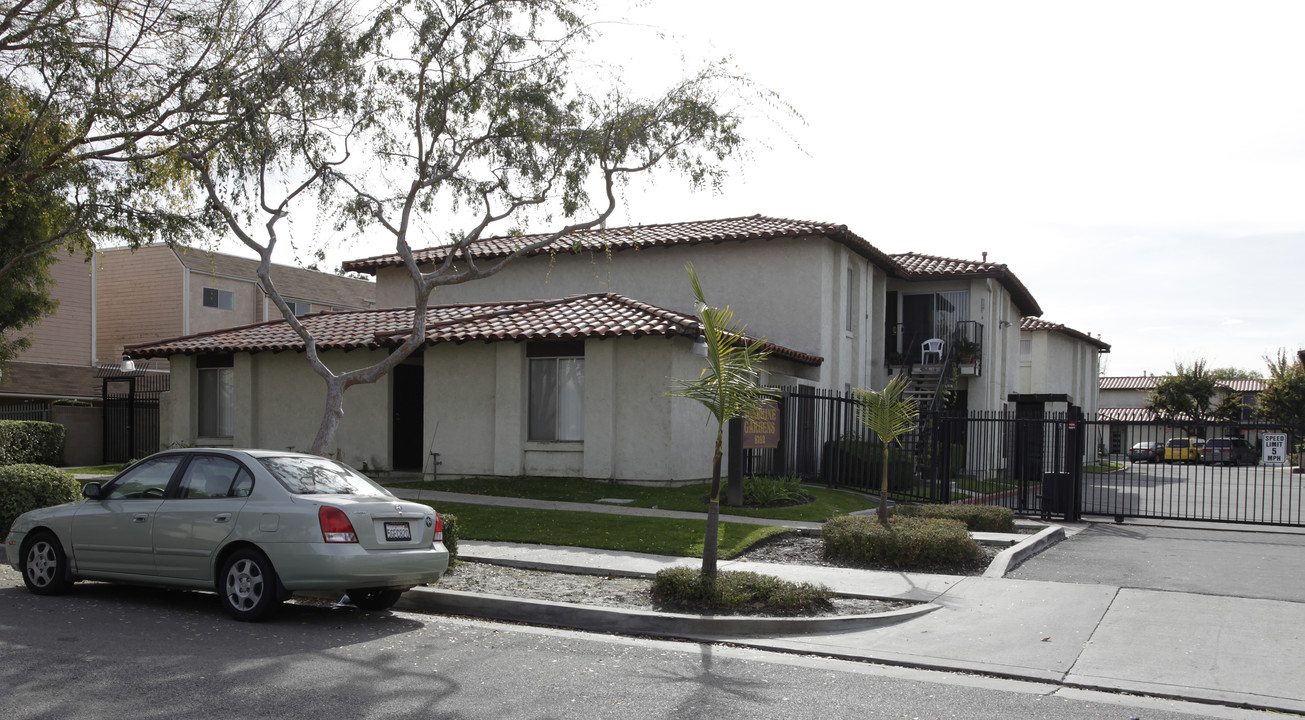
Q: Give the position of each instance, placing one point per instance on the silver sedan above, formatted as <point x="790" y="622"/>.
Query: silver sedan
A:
<point x="254" y="525"/>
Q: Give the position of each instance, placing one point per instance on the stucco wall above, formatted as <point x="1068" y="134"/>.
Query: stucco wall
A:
<point x="781" y="288"/>
<point x="278" y="405"/>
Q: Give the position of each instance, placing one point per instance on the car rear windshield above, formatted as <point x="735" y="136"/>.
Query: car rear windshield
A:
<point x="1178" y="443"/>
<point x="1219" y="444"/>
<point x="319" y="476"/>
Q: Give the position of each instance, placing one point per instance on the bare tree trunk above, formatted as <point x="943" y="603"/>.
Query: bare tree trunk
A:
<point x="713" y="516"/>
<point x="330" y="417"/>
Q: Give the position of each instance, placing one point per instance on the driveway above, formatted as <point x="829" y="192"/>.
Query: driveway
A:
<point x="1262" y="563"/>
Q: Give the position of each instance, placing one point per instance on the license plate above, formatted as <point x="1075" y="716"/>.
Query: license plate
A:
<point x="397" y="531"/>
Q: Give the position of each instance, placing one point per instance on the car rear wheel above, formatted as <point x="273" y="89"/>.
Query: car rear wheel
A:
<point x="247" y="586"/>
<point x="45" y="567"/>
<point x="374" y="598"/>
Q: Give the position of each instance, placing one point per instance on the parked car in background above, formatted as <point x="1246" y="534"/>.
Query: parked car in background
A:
<point x="253" y="525"/>
<point x="1183" y="449"/>
<point x="1147" y="452"/>
<point x="1229" y="451"/>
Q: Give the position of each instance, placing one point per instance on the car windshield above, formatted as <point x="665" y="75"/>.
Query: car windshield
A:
<point x="1219" y="444"/>
<point x="318" y="476"/>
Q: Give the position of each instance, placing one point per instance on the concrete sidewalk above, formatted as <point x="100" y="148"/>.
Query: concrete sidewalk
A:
<point x="1218" y="649"/>
<point x="1231" y="651"/>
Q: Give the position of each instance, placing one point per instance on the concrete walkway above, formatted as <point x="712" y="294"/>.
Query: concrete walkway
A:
<point x="1239" y="651"/>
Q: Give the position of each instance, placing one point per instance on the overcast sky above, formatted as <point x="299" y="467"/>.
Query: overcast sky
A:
<point x="1140" y="166"/>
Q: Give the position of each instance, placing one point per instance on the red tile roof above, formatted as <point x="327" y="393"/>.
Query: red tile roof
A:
<point x="755" y="227"/>
<point x="1148" y="382"/>
<point x="1145" y="382"/>
<point x="931" y="267"/>
<point x="579" y="316"/>
<point x="1126" y="415"/>
<point x="1032" y="324"/>
<point x="1244" y="386"/>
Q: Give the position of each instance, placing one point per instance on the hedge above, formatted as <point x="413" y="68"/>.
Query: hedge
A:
<point x="683" y="588"/>
<point x="30" y="441"/>
<point x="29" y="487"/>
<point x="977" y="518"/>
<point x="449" y="524"/>
<point x="906" y="542"/>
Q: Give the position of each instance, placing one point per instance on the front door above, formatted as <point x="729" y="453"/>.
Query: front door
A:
<point x="114" y="534"/>
<point x="406" y="432"/>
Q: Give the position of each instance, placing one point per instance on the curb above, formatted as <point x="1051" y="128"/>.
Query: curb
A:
<point x="1012" y="556"/>
<point x="641" y="622"/>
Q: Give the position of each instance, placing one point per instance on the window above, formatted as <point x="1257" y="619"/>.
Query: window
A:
<point x="852" y="291"/>
<point x="299" y="307"/>
<point x="557" y="388"/>
<point x="210" y="476"/>
<point x="146" y="479"/>
<point x="216" y="394"/>
<point x="220" y="299"/>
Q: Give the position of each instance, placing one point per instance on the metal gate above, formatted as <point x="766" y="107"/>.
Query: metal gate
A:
<point x="131" y="412"/>
<point x="1207" y="472"/>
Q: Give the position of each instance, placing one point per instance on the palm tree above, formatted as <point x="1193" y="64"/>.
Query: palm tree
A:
<point x="728" y="388"/>
<point x="888" y="415"/>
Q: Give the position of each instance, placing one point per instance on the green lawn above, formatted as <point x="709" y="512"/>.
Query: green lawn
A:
<point x="691" y="498"/>
<point x="110" y="469"/>
<point x="661" y="536"/>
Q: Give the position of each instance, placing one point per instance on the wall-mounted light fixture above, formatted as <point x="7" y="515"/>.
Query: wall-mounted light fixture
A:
<point x="127" y="365"/>
<point x="700" y="346"/>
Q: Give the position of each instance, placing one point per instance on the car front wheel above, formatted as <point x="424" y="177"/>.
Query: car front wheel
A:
<point x="45" y="567"/>
<point x="247" y="586"/>
<point x="375" y="598"/>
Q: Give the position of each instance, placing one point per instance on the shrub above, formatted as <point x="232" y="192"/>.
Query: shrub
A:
<point x="29" y="487"/>
<point x="977" y="518"/>
<point x="30" y="441"/>
<point x="906" y="542"/>
<point x="449" y="524"/>
<point x="770" y="490"/>
<point x="684" y="588"/>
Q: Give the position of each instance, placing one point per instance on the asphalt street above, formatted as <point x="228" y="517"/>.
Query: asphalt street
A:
<point x="112" y="652"/>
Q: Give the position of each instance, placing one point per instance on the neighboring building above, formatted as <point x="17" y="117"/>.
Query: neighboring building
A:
<point x="192" y="291"/>
<point x="61" y="360"/>
<point x="1046" y="350"/>
<point x="1125" y="401"/>
<point x="124" y="297"/>
<point x="565" y="339"/>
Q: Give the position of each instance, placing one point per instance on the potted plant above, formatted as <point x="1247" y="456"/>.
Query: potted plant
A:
<point x="897" y="361"/>
<point x="967" y="356"/>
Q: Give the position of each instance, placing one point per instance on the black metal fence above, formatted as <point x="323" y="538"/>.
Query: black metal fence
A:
<point x="1035" y="463"/>
<point x="131" y="413"/>
<point x="26" y="411"/>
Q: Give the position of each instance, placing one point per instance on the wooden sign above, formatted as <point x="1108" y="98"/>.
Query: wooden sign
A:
<point x="762" y="431"/>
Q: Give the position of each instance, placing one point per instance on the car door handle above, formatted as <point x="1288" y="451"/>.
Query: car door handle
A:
<point x="222" y="517"/>
<point x="140" y="517"/>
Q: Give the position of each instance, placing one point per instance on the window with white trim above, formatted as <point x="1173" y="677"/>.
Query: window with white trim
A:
<point x="299" y="307"/>
<point x="557" y="389"/>
<point x="220" y="299"/>
<point x="216" y="400"/>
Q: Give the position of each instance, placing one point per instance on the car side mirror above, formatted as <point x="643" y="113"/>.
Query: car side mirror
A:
<point x="91" y="491"/>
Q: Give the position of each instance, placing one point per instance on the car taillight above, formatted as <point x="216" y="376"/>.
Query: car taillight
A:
<point x="336" y="527"/>
<point x="439" y="529"/>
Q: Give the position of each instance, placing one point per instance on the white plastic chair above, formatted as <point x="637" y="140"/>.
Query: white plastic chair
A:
<point x="932" y="346"/>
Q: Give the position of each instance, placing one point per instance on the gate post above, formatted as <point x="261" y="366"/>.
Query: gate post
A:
<point x="734" y="445"/>
<point x="1076" y="452"/>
